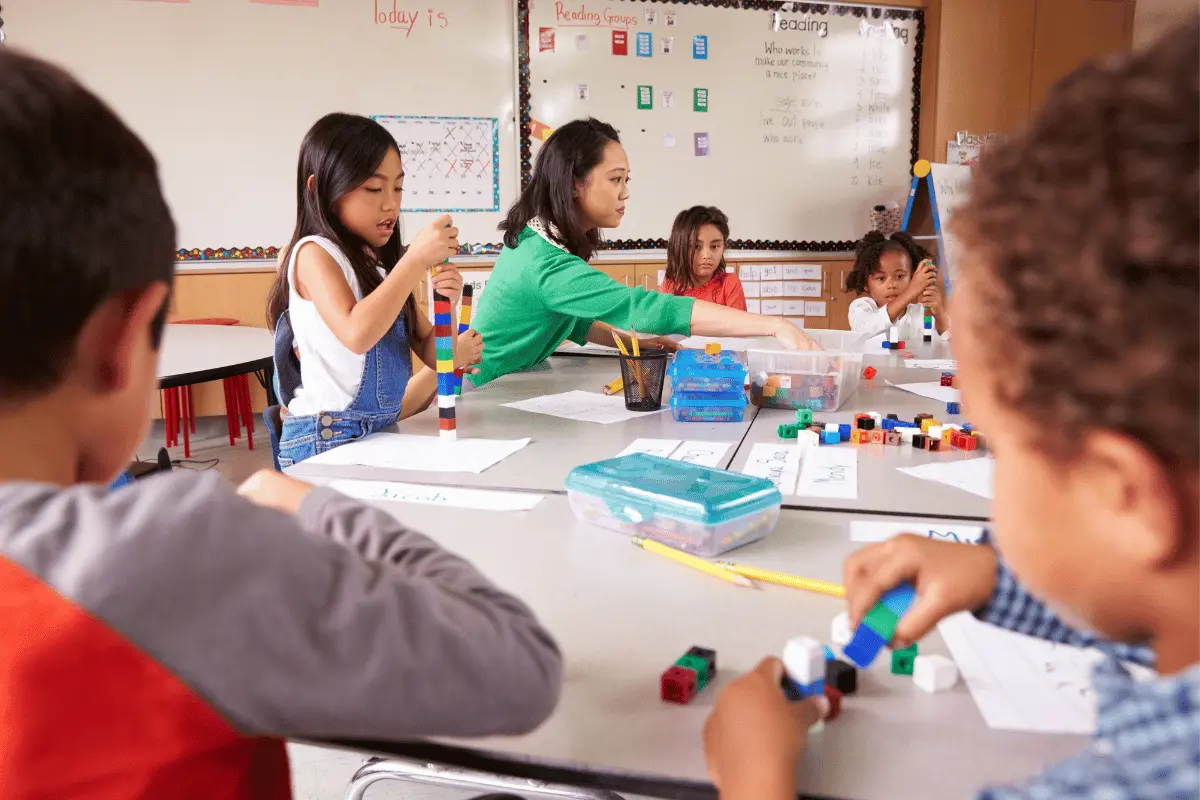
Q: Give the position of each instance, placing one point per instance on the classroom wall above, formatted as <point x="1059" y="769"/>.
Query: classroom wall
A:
<point x="1154" y="17"/>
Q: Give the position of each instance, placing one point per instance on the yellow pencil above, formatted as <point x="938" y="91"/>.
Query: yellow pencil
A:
<point x="637" y="365"/>
<point x="689" y="560"/>
<point x="620" y="344"/>
<point x="783" y="579"/>
<point x="614" y="386"/>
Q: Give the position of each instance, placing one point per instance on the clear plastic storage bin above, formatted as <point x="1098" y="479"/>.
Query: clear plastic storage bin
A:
<point x="820" y="380"/>
<point x="697" y="371"/>
<point x="708" y="406"/>
<point x="698" y="509"/>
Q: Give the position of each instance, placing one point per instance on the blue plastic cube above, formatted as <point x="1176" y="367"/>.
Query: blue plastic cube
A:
<point x="864" y="647"/>
<point x="831" y="437"/>
<point x="844" y="432"/>
<point x="899" y="598"/>
<point x="953" y="408"/>
<point x="791" y="690"/>
<point x="829" y="655"/>
<point x="815" y="688"/>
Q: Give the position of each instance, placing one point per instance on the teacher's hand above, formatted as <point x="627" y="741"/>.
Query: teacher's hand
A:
<point x="794" y="338"/>
<point x="658" y="343"/>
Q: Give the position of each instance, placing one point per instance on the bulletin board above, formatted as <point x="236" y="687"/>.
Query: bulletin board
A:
<point x="794" y="118"/>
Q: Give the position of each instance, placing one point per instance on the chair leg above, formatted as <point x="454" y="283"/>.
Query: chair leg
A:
<point x="187" y="391"/>
<point x="230" y="408"/>
<point x="247" y="409"/>
<point x="168" y="416"/>
<point x="422" y="772"/>
<point x="185" y="397"/>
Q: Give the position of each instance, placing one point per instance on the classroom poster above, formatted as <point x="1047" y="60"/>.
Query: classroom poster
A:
<point x="620" y="43"/>
<point x="700" y="100"/>
<point x="545" y="40"/>
<point x="645" y="98"/>
<point x="700" y="47"/>
<point x="668" y="45"/>
<point x="700" y="141"/>
<point x="450" y="163"/>
<point x="645" y="44"/>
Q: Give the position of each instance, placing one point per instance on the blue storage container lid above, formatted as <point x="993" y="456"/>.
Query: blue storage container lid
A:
<point x="708" y="399"/>
<point x="637" y="487"/>
<point x="698" y="364"/>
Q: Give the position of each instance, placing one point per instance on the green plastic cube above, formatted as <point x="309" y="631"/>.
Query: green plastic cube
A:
<point x="788" y="431"/>
<point x="881" y="620"/>
<point x="804" y="416"/>
<point x="701" y="668"/>
<point x="903" y="660"/>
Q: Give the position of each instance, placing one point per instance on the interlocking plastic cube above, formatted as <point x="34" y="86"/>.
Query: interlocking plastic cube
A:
<point x="934" y="673"/>
<point x="841" y="676"/>
<point x="953" y="408"/>
<point x="844" y="431"/>
<point x="902" y="660"/>
<point x="804" y="416"/>
<point x="876" y="436"/>
<point x="699" y="666"/>
<point x="804" y="660"/>
<point x="859" y="436"/>
<point x="865" y="423"/>
<point x="839" y="629"/>
<point x="835" y="702"/>
<point x="893" y="438"/>
<point x="831" y="437"/>
<point x="947" y="377"/>
<point x="787" y="431"/>
<point x="709" y="656"/>
<point x="927" y="423"/>
<point x="712" y="348"/>
<point x="865" y="645"/>
<point x="869" y="373"/>
<point x="678" y="685"/>
<point x="808" y="438"/>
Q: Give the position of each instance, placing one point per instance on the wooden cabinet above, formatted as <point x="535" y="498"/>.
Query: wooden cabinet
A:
<point x="646" y="276"/>
<point x="839" y="299"/>
<point x="621" y="273"/>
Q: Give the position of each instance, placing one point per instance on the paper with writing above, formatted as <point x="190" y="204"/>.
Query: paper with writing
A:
<point x="829" y="472"/>
<point x="864" y="531"/>
<point x="580" y="406"/>
<point x="453" y="496"/>
<point x="778" y="463"/>
<point x="421" y="453"/>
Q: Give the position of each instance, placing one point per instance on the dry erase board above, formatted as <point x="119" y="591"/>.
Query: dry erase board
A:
<point x="224" y="90"/>
<point x="795" y="118"/>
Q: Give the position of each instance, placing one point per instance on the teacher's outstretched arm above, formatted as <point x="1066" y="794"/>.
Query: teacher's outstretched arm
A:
<point x="711" y="319"/>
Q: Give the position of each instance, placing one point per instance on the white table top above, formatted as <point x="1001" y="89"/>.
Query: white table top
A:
<point x="623" y="615"/>
<point x="197" y="353"/>
<point x="881" y="488"/>
<point x="558" y="445"/>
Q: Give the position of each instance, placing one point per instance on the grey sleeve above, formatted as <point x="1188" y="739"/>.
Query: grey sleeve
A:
<point x="342" y="624"/>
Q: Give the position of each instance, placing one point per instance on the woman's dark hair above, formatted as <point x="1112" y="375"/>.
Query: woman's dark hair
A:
<point x="566" y="158"/>
<point x="342" y="151"/>
<point x="869" y="249"/>
<point x="685" y="233"/>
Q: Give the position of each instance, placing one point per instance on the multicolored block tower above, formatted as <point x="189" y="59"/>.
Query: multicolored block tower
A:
<point x="443" y="332"/>
<point x="464" y="322"/>
<point x="879" y="625"/>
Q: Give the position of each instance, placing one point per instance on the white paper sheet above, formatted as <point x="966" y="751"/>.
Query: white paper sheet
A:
<point x="947" y="364"/>
<point x="421" y="453"/>
<point x="974" y="475"/>
<point x="736" y="344"/>
<point x="702" y="454"/>
<point x="778" y="463"/>
<point x="829" y="472"/>
<point x="581" y="406"/>
<point x="651" y="447"/>
<point x="934" y="391"/>
<point x="485" y="499"/>
<point x="1021" y="683"/>
<point x="864" y="531"/>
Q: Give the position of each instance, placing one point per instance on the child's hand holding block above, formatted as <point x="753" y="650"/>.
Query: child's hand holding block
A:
<point x="877" y="627"/>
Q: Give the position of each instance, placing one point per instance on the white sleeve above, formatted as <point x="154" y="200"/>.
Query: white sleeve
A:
<point x="868" y="318"/>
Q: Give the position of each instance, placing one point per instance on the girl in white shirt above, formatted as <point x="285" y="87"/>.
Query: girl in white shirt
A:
<point x="891" y="292"/>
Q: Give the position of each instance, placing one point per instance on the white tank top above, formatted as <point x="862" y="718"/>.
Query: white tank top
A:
<point x="329" y="371"/>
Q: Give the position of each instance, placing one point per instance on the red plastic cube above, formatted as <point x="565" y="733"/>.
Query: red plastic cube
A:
<point x="835" y="702"/>
<point x="678" y="685"/>
<point x="876" y="436"/>
<point x="947" y="379"/>
<point x="870" y="372"/>
<point x="900" y="345"/>
<point x="967" y="442"/>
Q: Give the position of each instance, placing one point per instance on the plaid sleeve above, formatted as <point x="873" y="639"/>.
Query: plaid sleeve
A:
<point x="1014" y="608"/>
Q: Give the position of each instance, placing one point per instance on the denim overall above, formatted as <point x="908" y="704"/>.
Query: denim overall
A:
<point x="387" y="369"/>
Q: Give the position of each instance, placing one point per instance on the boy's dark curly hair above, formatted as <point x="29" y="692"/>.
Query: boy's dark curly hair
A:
<point x="871" y="247"/>
<point x="1081" y="237"/>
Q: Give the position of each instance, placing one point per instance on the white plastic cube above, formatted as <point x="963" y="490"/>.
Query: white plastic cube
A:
<point x="934" y="673"/>
<point x="893" y="334"/>
<point x="907" y="434"/>
<point x="785" y="381"/>
<point x="839" y="632"/>
<point x="875" y="415"/>
<point x="807" y="439"/>
<point x="935" y="431"/>
<point x="804" y="660"/>
<point x="831" y="427"/>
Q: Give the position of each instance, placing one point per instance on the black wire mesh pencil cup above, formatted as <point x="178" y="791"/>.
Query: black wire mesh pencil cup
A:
<point x="644" y="377"/>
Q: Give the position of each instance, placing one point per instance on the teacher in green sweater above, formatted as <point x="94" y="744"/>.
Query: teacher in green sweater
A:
<point x="543" y="291"/>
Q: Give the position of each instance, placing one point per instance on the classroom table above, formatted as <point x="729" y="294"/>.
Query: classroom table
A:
<point x="882" y="489"/>
<point x="193" y="354"/>
<point x="558" y="445"/>
<point x="623" y="615"/>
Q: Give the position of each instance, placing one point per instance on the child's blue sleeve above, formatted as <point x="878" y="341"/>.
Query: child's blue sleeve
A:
<point x="1014" y="608"/>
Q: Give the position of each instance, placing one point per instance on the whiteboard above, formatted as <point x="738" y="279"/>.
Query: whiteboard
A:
<point x="223" y="91"/>
<point x="794" y="124"/>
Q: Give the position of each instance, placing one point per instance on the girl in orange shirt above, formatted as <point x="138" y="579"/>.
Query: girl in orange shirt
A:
<point x="696" y="259"/>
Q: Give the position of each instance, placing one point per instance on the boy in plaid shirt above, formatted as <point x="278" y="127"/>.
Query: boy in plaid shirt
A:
<point x="1076" y="303"/>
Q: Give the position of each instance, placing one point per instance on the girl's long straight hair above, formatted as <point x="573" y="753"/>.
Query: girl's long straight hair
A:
<point x="342" y="151"/>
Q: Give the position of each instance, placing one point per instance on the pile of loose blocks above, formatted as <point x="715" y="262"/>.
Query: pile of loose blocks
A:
<point x="924" y="432"/>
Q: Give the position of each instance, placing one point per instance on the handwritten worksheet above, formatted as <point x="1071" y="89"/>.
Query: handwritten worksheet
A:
<point x="974" y="475"/>
<point x="829" y="472"/>
<point x="421" y="453"/>
<point x="702" y="454"/>
<point x="946" y="364"/>
<point x="454" y="496"/>
<point x="778" y="463"/>
<point x="580" y="406"/>
<point x="932" y="390"/>
<point x="651" y="447"/>
<point x="1021" y="683"/>
<point x="871" y="531"/>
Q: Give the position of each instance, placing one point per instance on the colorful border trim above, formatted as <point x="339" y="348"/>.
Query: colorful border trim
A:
<point x="495" y="159"/>
<point x="272" y="253"/>
<point x="524" y="99"/>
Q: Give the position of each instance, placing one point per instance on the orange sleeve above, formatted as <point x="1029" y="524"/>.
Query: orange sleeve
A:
<point x="734" y="296"/>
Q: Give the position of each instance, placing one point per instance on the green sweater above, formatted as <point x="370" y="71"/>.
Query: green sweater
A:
<point x="540" y="295"/>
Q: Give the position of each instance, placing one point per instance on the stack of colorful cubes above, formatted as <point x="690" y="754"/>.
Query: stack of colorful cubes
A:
<point x="708" y="386"/>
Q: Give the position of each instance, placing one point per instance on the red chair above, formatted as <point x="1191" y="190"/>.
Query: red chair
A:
<point x="179" y="411"/>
